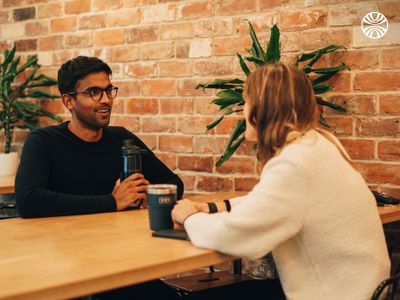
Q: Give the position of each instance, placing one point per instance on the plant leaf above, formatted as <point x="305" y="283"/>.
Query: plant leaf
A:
<point x="243" y="65"/>
<point x="40" y="94"/>
<point x="323" y="121"/>
<point x="230" y="94"/>
<point x="258" y="50"/>
<point x="273" y="50"/>
<point x="255" y="60"/>
<point x="331" y="105"/>
<point x="230" y="149"/>
<point x="221" y="84"/>
<point x="32" y="60"/>
<point x="322" y="88"/>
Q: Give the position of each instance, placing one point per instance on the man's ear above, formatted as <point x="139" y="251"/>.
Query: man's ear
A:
<point x="67" y="100"/>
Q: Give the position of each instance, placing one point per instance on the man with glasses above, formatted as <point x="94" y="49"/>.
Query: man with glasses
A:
<point x="74" y="167"/>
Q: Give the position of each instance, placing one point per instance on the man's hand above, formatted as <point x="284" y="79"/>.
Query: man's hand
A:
<point x="131" y="191"/>
<point x="183" y="209"/>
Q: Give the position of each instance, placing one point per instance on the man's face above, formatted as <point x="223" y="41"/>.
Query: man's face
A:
<point x="88" y="112"/>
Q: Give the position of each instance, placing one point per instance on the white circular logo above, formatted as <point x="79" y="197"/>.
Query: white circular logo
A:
<point x="374" y="25"/>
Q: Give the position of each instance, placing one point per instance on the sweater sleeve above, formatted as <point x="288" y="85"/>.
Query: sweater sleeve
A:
<point x="274" y="211"/>
<point x="35" y="199"/>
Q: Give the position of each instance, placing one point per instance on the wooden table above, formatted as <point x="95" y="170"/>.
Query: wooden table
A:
<point x="64" y="257"/>
<point x="6" y="185"/>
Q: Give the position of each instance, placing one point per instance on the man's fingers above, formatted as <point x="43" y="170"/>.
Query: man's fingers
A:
<point x="134" y="176"/>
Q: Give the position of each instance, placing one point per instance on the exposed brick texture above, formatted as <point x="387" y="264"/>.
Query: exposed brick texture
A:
<point x="160" y="50"/>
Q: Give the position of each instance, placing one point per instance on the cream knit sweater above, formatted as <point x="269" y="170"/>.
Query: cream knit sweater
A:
<point x="317" y="216"/>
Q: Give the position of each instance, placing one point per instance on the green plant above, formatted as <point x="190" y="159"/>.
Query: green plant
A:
<point x="15" y="110"/>
<point x="230" y="99"/>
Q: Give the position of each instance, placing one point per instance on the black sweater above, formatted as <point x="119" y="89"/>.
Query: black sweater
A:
<point x="60" y="174"/>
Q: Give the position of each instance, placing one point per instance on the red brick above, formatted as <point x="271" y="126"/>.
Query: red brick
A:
<point x="389" y="104"/>
<point x="127" y="88"/>
<point x="158" y="13"/>
<point x="176" y="31"/>
<point x="340" y="126"/>
<point x="77" y="6"/>
<point x="142" y="69"/>
<point x="247" y="148"/>
<point x="359" y="149"/>
<point x="188" y="181"/>
<point x="131" y="123"/>
<point x="291" y="41"/>
<point x="194" y="125"/>
<point x="390" y="58"/>
<point x="142" y="34"/>
<point x="9" y="3"/>
<point x="219" y="66"/>
<point x="270" y="4"/>
<point x="158" y="124"/>
<point x="37" y="28"/>
<point x="377" y="81"/>
<point x="245" y="184"/>
<point x="158" y="87"/>
<point x="118" y="106"/>
<point x="237" y="165"/>
<point x="209" y="144"/>
<point x="50" y="10"/>
<point x="195" y="163"/>
<point x="349" y="14"/>
<point x="194" y="10"/>
<point x="341" y="37"/>
<point x="182" y="49"/>
<point x="176" y="106"/>
<point x="4" y="17"/>
<point x="26" y="45"/>
<point x="108" y="37"/>
<point x="356" y="59"/>
<point x="134" y="3"/>
<point x="233" y="7"/>
<point x="81" y="40"/>
<point x="214" y="184"/>
<point x="303" y="19"/>
<point x="340" y="82"/>
<point x="123" y="18"/>
<point x="92" y="22"/>
<point x="205" y="107"/>
<point x="226" y="126"/>
<point x="168" y="159"/>
<point x="50" y="43"/>
<point x="142" y="106"/>
<point x="223" y="27"/>
<point x="150" y="140"/>
<point x="389" y="150"/>
<point x="175" y="68"/>
<point x="379" y="173"/>
<point x="390" y="10"/>
<point x="187" y="87"/>
<point x="312" y="40"/>
<point x="394" y="192"/>
<point x="20" y="136"/>
<point x="157" y="51"/>
<point x="123" y="54"/>
<point x="106" y="4"/>
<point x="358" y="105"/>
<point x="63" y="24"/>
<point x="378" y="127"/>
<point x="230" y="45"/>
<point x="176" y="143"/>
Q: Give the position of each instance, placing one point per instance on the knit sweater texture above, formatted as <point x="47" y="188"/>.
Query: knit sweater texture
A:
<point x="317" y="216"/>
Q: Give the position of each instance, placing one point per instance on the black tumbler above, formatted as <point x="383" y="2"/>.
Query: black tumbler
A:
<point x="131" y="159"/>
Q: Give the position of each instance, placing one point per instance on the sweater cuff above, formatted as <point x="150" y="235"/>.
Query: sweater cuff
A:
<point x="106" y="203"/>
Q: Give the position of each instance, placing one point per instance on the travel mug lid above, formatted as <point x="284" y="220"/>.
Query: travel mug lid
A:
<point x="161" y="189"/>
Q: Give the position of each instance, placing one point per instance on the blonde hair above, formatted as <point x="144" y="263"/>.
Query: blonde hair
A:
<point x="282" y="108"/>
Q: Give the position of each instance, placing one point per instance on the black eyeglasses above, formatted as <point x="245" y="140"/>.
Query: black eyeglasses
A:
<point x="96" y="93"/>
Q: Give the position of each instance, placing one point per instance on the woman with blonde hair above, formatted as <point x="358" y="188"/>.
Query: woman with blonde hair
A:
<point x="311" y="208"/>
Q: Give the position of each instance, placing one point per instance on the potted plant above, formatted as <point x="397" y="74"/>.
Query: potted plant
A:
<point x="15" y="108"/>
<point x="230" y="99"/>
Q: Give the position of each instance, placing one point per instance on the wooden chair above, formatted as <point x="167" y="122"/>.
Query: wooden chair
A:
<point x="390" y="285"/>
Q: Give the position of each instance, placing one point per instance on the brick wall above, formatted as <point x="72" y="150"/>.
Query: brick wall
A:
<point x="160" y="50"/>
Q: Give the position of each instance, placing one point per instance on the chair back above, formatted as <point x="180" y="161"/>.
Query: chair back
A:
<point x="390" y="285"/>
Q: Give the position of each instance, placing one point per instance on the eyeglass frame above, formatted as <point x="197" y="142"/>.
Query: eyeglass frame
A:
<point x="87" y="91"/>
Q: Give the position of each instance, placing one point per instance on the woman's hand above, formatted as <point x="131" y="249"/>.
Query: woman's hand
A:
<point x="183" y="209"/>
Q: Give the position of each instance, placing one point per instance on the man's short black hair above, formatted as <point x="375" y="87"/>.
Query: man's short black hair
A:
<point x="76" y="69"/>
